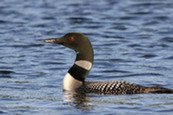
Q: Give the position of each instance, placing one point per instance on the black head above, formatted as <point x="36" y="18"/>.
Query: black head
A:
<point x="76" y="41"/>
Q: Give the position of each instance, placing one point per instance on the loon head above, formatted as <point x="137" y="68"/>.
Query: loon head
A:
<point x="84" y="59"/>
<point x="78" y="42"/>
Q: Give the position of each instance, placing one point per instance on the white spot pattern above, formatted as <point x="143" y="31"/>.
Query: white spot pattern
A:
<point x="112" y="87"/>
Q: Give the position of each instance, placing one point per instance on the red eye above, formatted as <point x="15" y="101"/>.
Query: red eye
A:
<point x="71" y="38"/>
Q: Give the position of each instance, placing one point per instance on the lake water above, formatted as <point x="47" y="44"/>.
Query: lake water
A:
<point x="132" y="41"/>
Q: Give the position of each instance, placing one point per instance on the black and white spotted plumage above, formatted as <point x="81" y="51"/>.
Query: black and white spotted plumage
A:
<point x="111" y="87"/>
<point x="119" y="87"/>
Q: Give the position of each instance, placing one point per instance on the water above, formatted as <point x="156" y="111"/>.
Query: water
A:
<point x="132" y="41"/>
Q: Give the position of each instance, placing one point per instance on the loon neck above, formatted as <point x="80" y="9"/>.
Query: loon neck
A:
<point x="82" y="65"/>
<point x="79" y="71"/>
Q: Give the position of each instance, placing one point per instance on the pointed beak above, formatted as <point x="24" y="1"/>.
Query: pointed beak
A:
<point x="49" y="40"/>
<point x="54" y="41"/>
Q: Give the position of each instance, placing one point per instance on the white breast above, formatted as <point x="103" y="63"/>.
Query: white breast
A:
<point x="70" y="83"/>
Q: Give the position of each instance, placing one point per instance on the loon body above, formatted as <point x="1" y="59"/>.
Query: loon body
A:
<point x="74" y="80"/>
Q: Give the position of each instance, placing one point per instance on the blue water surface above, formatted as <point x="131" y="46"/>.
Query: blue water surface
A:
<point x="132" y="41"/>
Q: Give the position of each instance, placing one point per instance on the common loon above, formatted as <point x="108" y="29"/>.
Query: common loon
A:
<point x="74" y="80"/>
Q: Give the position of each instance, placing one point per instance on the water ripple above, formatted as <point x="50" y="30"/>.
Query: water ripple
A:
<point x="132" y="41"/>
